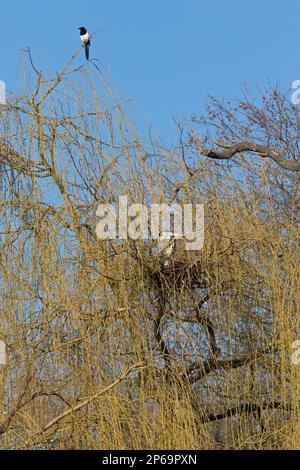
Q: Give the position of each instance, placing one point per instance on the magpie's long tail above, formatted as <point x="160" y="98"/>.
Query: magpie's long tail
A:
<point x="87" y="50"/>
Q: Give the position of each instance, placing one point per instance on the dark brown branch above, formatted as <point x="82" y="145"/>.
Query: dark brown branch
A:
<point x="45" y="394"/>
<point x="207" y="323"/>
<point x="157" y="325"/>
<point x="206" y="367"/>
<point x="247" y="408"/>
<point x="230" y="151"/>
<point x="197" y="371"/>
<point x="31" y="61"/>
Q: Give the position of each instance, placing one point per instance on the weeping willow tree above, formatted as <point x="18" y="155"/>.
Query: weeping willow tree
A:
<point x="109" y="347"/>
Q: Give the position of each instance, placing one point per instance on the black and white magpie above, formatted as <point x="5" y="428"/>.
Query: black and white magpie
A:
<point x="85" y="38"/>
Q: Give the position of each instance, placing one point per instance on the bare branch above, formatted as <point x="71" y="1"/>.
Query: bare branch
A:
<point x="232" y="150"/>
<point x="196" y="372"/>
<point x="246" y="408"/>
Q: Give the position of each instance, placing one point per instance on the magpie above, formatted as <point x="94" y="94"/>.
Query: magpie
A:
<point x="85" y="38"/>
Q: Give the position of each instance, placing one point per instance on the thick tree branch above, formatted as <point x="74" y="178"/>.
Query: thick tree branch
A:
<point x="157" y="329"/>
<point x="230" y="151"/>
<point x="207" y="323"/>
<point x="197" y="371"/>
<point x="246" y="408"/>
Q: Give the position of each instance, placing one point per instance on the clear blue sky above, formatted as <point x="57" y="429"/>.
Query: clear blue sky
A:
<point x="166" y="55"/>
